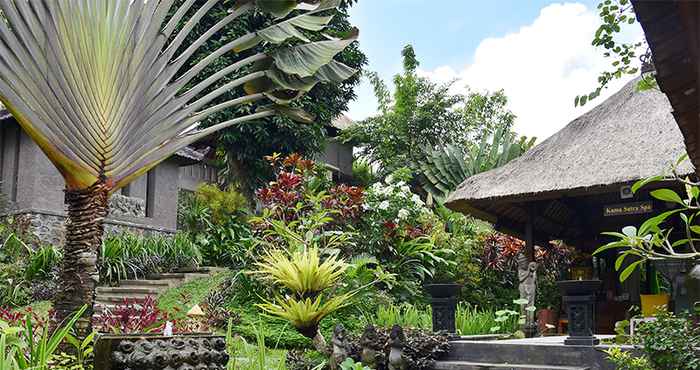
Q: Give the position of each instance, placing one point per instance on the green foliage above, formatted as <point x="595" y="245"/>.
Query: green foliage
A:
<point x="42" y="261"/>
<point x="16" y="254"/>
<point x="443" y="169"/>
<point x="242" y="147"/>
<point x="421" y="114"/>
<point x="298" y="269"/>
<point x="245" y="356"/>
<point x="616" y="15"/>
<point x="81" y="358"/>
<point x="350" y="364"/>
<point x="29" y="347"/>
<point x="216" y="222"/>
<point x="472" y="320"/>
<point x="363" y="173"/>
<point x="652" y="239"/>
<point x="624" y="360"/>
<point x="670" y="342"/>
<point x="405" y="315"/>
<point x="125" y="256"/>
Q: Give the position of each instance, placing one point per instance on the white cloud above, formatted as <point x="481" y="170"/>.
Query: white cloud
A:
<point x="541" y="67"/>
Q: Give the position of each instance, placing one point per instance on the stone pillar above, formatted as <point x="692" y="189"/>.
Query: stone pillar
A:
<point x="581" y="310"/>
<point x="444" y="310"/>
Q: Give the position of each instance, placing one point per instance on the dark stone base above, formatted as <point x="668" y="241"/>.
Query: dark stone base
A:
<point x="582" y="341"/>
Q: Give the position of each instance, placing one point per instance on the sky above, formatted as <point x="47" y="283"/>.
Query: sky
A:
<point x="538" y="51"/>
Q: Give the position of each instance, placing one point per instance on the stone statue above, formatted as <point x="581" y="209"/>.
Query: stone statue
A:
<point x="340" y="346"/>
<point x="527" y="276"/>
<point x="371" y="348"/>
<point x="396" y="343"/>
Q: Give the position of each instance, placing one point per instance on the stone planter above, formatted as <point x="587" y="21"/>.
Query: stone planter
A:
<point x="579" y="298"/>
<point x="692" y="288"/>
<point x="144" y="351"/>
<point x="443" y="301"/>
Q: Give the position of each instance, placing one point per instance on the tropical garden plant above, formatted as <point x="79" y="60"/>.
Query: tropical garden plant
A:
<point x="443" y="169"/>
<point x="652" y="240"/>
<point x="111" y="99"/>
<point x="421" y="114"/>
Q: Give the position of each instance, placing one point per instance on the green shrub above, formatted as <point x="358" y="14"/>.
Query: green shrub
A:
<point x="470" y="320"/>
<point x="42" y="261"/>
<point x="405" y="315"/>
<point x="670" y="342"/>
<point x="216" y="221"/>
<point x="126" y="256"/>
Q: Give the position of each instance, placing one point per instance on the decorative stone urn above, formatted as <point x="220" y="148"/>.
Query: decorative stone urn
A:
<point x="579" y="296"/>
<point x="443" y="301"/>
<point x="156" y="352"/>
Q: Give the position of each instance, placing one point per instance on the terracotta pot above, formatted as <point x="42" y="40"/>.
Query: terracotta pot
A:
<point x="547" y="316"/>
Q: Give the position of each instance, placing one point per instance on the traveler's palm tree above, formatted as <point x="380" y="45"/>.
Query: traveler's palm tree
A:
<point x="443" y="170"/>
<point x="100" y="86"/>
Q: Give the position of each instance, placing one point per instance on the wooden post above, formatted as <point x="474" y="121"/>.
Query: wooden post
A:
<point x="530" y="234"/>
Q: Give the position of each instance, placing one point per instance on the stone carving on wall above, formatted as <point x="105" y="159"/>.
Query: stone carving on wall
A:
<point x="163" y="353"/>
<point x="121" y="205"/>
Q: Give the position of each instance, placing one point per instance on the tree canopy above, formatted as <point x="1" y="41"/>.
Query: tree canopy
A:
<point x="421" y="115"/>
<point x="241" y="148"/>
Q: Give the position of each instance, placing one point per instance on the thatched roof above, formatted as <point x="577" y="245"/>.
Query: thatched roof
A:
<point x="630" y="136"/>
<point x="342" y="122"/>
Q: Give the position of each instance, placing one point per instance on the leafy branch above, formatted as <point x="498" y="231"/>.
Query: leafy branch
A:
<point x="652" y="240"/>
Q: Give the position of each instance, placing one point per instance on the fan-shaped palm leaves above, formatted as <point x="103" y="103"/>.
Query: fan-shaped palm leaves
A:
<point x="445" y="168"/>
<point x="100" y="86"/>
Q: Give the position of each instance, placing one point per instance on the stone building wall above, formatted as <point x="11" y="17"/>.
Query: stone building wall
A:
<point x="49" y="227"/>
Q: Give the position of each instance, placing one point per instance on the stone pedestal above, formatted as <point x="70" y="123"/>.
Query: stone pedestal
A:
<point x="443" y="301"/>
<point x="579" y="299"/>
<point x="444" y="310"/>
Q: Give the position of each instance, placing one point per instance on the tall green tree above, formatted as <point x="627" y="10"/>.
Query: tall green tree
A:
<point x="420" y="114"/>
<point x="104" y="89"/>
<point x="241" y="148"/>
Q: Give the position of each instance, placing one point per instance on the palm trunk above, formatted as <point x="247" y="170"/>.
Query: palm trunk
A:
<point x="79" y="275"/>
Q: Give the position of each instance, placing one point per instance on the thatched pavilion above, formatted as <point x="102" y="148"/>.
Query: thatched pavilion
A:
<point x="576" y="184"/>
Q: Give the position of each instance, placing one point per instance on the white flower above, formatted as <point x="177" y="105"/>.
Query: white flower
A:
<point x="401" y="183"/>
<point x="416" y="199"/>
<point x="405" y="189"/>
<point x="365" y="206"/>
<point x="403" y="214"/>
<point x="384" y="205"/>
<point x="389" y="179"/>
<point x="377" y="186"/>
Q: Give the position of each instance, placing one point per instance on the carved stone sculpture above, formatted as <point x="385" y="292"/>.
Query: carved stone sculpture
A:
<point x="371" y="348"/>
<point x="202" y="352"/>
<point x="340" y="347"/>
<point x="397" y="339"/>
<point x="527" y="276"/>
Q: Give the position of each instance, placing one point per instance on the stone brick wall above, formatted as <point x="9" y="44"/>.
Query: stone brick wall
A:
<point x="49" y="227"/>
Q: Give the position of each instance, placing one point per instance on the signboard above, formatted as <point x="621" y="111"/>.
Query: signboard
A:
<point x="636" y="208"/>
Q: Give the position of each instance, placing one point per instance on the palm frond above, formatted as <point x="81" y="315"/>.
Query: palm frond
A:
<point x="442" y="170"/>
<point x="99" y="84"/>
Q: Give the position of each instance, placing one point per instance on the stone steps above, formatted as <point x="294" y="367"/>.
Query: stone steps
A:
<point x="465" y="365"/>
<point x="545" y="353"/>
<point x="137" y="290"/>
